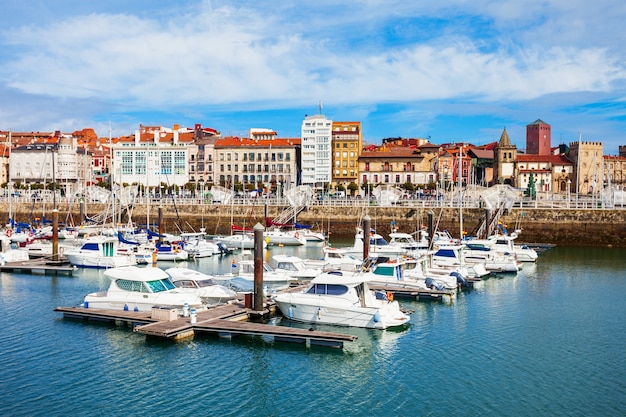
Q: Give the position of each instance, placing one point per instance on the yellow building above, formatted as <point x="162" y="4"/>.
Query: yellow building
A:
<point x="347" y="140"/>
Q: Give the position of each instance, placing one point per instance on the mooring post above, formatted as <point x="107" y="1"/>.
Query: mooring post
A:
<point x="258" y="267"/>
<point x="81" y="216"/>
<point x="55" y="235"/>
<point x="367" y="224"/>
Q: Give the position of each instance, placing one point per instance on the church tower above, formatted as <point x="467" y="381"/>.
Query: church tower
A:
<point x="538" y="138"/>
<point x="504" y="155"/>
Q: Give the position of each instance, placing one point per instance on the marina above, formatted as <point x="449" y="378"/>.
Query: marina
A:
<point x="545" y="341"/>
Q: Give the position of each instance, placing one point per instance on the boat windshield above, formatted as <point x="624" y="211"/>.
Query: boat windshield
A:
<point x="329" y="289"/>
<point x="289" y="266"/>
<point x="205" y="282"/>
<point x="159" y="285"/>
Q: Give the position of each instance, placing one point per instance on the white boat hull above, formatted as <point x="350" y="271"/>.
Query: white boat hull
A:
<point x="89" y="260"/>
<point x="312" y="312"/>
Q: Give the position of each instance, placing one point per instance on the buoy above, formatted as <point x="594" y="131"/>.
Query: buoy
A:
<point x="125" y="307"/>
<point x="186" y="310"/>
<point x="290" y="313"/>
<point x="376" y="317"/>
<point x="193" y="316"/>
<point x="319" y="313"/>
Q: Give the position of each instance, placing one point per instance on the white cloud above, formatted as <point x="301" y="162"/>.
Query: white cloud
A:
<point x="273" y="55"/>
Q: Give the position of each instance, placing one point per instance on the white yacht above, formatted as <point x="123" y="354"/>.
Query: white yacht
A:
<point x="10" y="254"/>
<point x="99" y="252"/>
<point x="378" y="246"/>
<point x="334" y="259"/>
<point x="342" y="301"/>
<point x="295" y="266"/>
<point x="139" y="289"/>
<point x="195" y="282"/>
<point x="196" y="244"/>
<point x="284" y="237"/>
<point x="272" y="280"/>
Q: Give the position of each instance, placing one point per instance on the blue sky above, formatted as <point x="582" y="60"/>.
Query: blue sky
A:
<point x="452" y="70"/>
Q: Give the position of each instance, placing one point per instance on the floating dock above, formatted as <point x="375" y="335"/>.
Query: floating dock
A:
<point x="40" y="266"/>
<point x="227" y="321"/>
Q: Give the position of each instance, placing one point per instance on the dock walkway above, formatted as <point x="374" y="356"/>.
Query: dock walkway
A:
<point x="40" y="266"/>
<point x="227" y="321"/>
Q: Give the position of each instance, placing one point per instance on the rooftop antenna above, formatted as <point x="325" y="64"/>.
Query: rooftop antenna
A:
<point x="320" y="104"/>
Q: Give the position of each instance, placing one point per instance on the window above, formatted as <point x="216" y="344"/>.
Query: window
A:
<point x="330" y="289"/>
<point x="166" y="163"/>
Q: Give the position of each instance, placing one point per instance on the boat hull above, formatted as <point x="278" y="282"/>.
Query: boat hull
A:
<point x="316" y="311"/>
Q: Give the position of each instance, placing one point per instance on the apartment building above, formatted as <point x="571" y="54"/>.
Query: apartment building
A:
<point x="316" y="158"/>
<point x="246" y="163"/>
<point x="347" y="140"/>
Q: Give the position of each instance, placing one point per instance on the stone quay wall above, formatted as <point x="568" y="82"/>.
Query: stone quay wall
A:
<point x="563" y="227"/>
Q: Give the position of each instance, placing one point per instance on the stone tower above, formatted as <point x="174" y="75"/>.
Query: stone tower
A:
<point x="538" y="138"/>
<point x="504" y="155"/>
<point x="588" y="166"/>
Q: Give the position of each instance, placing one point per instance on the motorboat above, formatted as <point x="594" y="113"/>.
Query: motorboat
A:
<point x="272" y="280"/>
<point x="334" y="259"/>
<point x="313" y="236"/>
<point x="452" y="257"/>
<point x="378" y="246"/>
<point x="99" y="252"/>
<point x="506" y="243"/>
<point x="237" y="241"/>
<point x="295" y="266"/>
<point x="170" y="251"/>
<point x="140" y="289"/>
<point x="342" y="300"/>
<point x="403" y="273"/>
<point x="10" y="254"/>
<point x="20" y="236"/>
<point x="195" y="282"/>
<point x="408" y="244"/>
<point x="495" y="260"/>
<point x="284" y="237"/>
<point x="143" y="253"/>
<point x="196" y="244"/>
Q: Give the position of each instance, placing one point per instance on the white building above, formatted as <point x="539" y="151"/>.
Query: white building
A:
<point x="316" y="157"/>
<point x="153" y="156"/>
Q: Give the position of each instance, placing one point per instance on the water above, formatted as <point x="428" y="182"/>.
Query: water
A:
<point x="548" y="341"/>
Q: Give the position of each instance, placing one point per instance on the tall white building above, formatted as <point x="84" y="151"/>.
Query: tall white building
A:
<point x="316" y="157"/>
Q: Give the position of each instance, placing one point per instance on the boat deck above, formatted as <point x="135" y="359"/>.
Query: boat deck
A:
<point x="227" y="321"/>
<point x="415" y="292"/>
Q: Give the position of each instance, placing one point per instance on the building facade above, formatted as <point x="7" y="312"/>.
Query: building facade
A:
<point x="347" y="141"/>
<point x="154" y="156"/>
<point x="316" y="157"/>
<point x="588" y="166"/>
<point x="398" y="162"/>
<point x="538" y="138"/>
<point x="244" y="163"/>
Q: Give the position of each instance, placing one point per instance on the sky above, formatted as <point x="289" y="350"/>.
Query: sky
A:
<point x="450" y="70"/>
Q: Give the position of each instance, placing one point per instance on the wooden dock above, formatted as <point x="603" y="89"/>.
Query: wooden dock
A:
<point x="227" y="321"/>
<point x="40" y="266"/>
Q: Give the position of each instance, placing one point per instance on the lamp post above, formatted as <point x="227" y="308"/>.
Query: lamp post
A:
<point x="569" y="184"/>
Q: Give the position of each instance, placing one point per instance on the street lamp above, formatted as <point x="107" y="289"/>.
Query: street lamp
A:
<point x="569" y="183"/>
